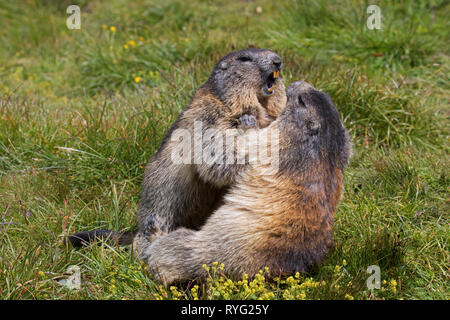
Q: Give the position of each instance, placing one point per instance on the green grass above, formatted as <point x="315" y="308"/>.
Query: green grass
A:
<point x="76" y="131"/>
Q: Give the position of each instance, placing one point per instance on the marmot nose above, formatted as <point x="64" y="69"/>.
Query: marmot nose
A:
<point x="276" y="60"/>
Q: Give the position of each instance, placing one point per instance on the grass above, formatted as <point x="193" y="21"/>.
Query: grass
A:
<point x="82" y="111"/>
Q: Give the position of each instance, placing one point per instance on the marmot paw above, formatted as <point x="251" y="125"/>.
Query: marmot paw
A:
<point x="247" y="121"/>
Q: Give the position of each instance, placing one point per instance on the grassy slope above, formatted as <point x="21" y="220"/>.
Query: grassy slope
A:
<point x="76" y="130"/>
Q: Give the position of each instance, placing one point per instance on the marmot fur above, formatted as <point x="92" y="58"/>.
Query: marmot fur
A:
<point x="281" y="219"/>
<point x="243" y="91"/>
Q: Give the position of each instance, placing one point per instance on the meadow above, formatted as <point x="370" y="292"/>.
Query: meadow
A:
<point x="82" y="111"/>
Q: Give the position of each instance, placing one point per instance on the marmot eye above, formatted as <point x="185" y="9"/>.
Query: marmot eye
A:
<point x="245" y="59"/>
<point x="300" y="101"/>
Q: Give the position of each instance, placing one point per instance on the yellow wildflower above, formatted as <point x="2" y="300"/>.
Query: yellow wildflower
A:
<point x="194" y="292"/>
<point x="137" y="79"/>
<point x="393" y="285"/>
<point x="112" y="28"/>
<point x="301" y="295"/>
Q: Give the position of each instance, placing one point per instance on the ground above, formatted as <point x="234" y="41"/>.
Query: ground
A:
<point x="82" y="111"/>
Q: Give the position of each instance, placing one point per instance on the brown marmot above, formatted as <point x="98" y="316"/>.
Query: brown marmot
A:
<point x="281" y="219"/>
<point x="243" y="91"/>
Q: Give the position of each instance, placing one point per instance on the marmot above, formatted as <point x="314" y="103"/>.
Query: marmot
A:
<point x="281" y="220"/>
<point x="244" y="90"/>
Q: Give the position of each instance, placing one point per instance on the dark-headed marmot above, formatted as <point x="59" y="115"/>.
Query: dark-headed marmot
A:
<point x="244" y="90"/>
<point x="281" y="219"/>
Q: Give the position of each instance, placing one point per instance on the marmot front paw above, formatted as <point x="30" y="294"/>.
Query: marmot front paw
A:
<point x="247" y="121"/>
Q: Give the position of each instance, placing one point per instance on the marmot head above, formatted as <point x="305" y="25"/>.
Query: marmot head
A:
<point x="313" y="125"/>
<point x="245" y="73"/>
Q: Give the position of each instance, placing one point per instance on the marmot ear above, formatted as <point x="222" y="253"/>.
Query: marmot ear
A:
<point x="224" y="65"/>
